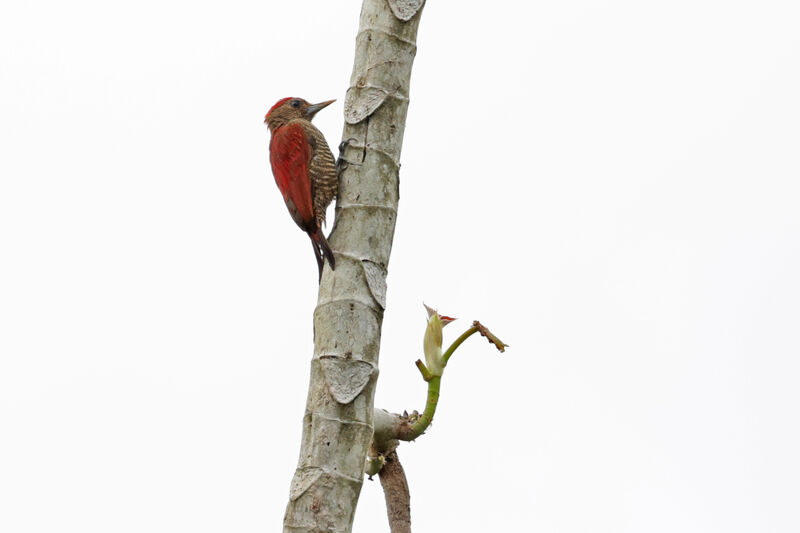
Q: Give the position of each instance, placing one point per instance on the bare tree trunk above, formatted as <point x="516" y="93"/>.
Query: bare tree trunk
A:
<point x="337" y="426"/>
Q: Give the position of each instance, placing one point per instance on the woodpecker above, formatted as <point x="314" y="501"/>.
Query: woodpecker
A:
<point x="304" y="169"/>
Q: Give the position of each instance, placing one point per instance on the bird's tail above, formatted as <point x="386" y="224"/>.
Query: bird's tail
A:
<point x="322" y="250"/>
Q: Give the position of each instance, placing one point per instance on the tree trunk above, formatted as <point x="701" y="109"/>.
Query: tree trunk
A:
<point x="337" y="426"/>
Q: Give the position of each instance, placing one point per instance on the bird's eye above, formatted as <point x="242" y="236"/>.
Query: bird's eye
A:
<point x="295" y="103"/>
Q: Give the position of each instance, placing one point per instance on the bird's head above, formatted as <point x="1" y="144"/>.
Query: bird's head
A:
<point x="287" y="109"/>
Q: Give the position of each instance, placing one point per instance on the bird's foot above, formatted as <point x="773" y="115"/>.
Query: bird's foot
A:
<point x="344" y="144"/>
<point x="341" y="162"/>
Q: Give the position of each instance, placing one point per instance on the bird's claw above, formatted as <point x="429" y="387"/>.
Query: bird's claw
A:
<point x="343" y="145"/>
<point x="341" y="162"/>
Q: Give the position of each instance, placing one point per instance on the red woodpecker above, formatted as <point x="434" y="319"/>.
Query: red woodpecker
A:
<point x="304" y="169"/>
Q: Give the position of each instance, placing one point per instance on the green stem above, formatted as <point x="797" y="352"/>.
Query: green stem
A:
<point x="456" y="343"/>
<point x="434" y="383"/>
<point x="425" y="419"/>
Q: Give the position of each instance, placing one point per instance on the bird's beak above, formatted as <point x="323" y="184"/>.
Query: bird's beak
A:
<point x="314" y="108"/>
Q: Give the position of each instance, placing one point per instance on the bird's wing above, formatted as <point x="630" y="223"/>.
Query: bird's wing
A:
<point x="289" y="154"/>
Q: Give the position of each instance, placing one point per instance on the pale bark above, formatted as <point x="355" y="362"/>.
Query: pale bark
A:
<point x="337" y="426"/>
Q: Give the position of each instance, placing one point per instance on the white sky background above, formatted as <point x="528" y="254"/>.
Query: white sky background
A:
<point x="611" y="187"/>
